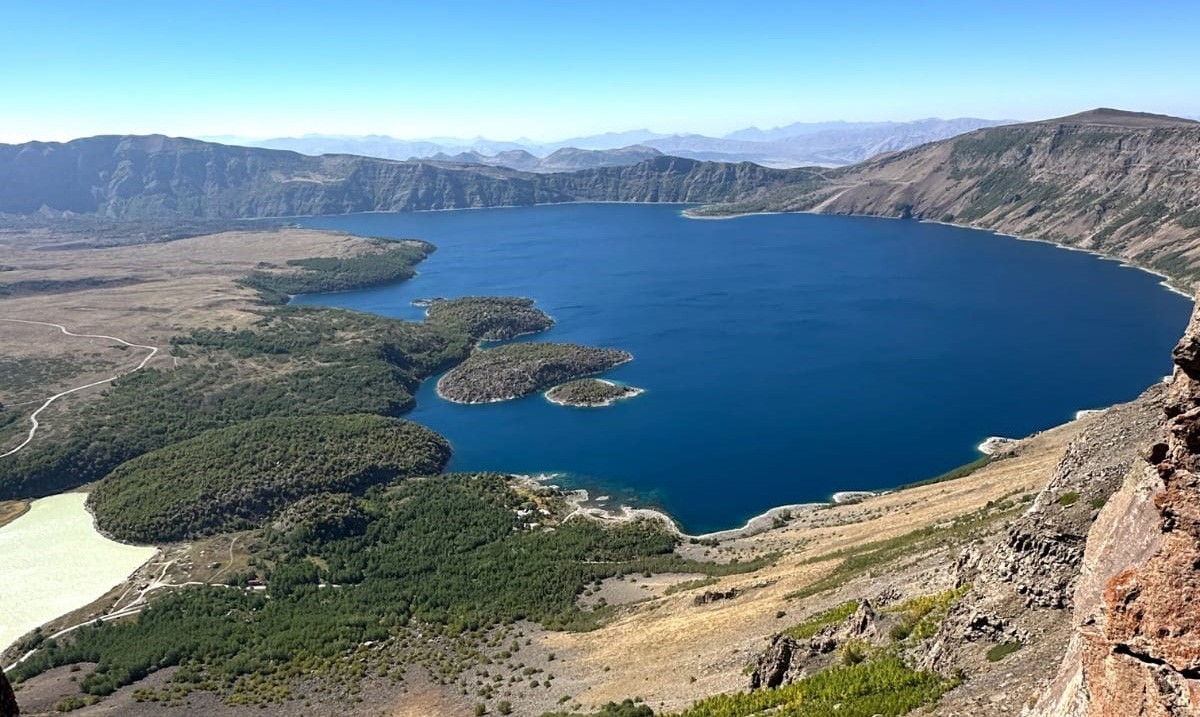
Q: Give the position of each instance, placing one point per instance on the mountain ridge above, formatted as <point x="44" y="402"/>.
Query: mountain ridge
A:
<point x="797" y="144"/>
<point x="1121" y="184"/>
<point x="154" y="176"/>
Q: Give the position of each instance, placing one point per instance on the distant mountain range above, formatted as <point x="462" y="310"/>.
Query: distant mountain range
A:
<point x="567" y="159"/>
<point x="1121" y="183"/>
<point x="827" y="144"/>
<point x="152" y="176"/>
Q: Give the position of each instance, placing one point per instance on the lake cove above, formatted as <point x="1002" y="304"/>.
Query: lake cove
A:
<point x="55" y="562"/>
<point x="784" y="357"/>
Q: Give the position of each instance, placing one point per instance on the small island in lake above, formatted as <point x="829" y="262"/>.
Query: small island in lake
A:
<point x="517" y="370"/>
<point x="590" y="393"/>
<point x="488" y="318"/>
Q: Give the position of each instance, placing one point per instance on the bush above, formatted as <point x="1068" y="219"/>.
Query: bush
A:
<point x="821" y="620"/>
<point x="882" y="686"/>
<point x="1003" y="650"/>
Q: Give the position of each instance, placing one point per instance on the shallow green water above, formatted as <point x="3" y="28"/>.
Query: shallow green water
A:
<point x="56" y="562"/>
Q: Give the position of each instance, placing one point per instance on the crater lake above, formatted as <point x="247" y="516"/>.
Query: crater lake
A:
<point x="784" y="357"/>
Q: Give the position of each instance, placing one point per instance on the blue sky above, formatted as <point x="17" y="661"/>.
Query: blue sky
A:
<point x="550" y="70"/>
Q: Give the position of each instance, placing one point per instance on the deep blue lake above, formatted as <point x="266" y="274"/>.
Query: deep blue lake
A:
<point x="784" y="357"/>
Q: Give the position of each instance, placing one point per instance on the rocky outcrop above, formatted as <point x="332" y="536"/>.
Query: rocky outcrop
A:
<point x="1136" y="646"/>
<point x="1039" y="556"/>
<point x="8" y="701"/>
<point x="1023" y="579"/>
<point x="789" y="659"/>
<point x="711" y="596"/>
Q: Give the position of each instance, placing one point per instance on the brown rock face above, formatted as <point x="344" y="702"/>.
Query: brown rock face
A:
<point x="1137" y="647"/>
<point x="789" y="659"/>
<point x="8" y="701"/>
<point x="711" y="596"/>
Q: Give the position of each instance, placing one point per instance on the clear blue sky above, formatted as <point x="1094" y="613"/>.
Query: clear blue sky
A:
<point x="551" y="70"/>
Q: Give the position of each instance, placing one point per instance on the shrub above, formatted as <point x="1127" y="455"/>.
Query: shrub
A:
<point x="821" y="620"/>
<point x="1003" y="650"/>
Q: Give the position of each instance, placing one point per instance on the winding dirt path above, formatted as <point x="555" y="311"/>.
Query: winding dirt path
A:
<point x="33" y="418"/>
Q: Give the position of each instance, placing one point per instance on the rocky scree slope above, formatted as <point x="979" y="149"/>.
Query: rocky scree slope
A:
<point x="1021" y="581"/>
<point x="1012" y="589"/>
<point x="1135" y="649"/>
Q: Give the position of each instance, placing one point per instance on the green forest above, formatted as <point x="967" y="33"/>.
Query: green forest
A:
<point x="882" y="686"/>
<point x="447" y="555"/>
<point x="391" y="261"/>
<point x="289" y="427"/>
<point x="295" y="362"/>
<point x="515" y="370"/>
<point x="489" y="318"/>
<point x="236" y="477"/>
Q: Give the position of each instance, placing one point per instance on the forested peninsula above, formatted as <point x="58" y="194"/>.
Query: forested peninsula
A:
<point x="517" y="370"/>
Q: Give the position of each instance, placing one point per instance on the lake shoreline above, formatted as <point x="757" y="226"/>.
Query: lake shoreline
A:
<point x="38" y="591"/>
<point x="1166" y="282"/>
<point x="402" y="227"/>
<point x="579" y="498"/>
<point x="11" y="510"/>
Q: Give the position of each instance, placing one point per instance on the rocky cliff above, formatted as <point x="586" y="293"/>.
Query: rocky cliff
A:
<point x="1136" y="645"/>
<point x="1121" y="183"/>
<point x="8" y="701"/>
<point x="138" y="177"/>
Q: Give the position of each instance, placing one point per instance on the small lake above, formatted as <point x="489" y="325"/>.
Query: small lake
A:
<point x="784" y="357"/>
<point x="55" y="562"/>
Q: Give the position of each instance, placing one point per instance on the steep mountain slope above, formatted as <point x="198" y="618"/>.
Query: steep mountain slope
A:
<point x="1121" y="183"/>
<point x="1136" y="643"/>
<point x="154" y="176"/>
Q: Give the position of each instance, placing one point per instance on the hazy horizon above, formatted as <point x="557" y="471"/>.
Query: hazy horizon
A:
<point x="552" y="72"/>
